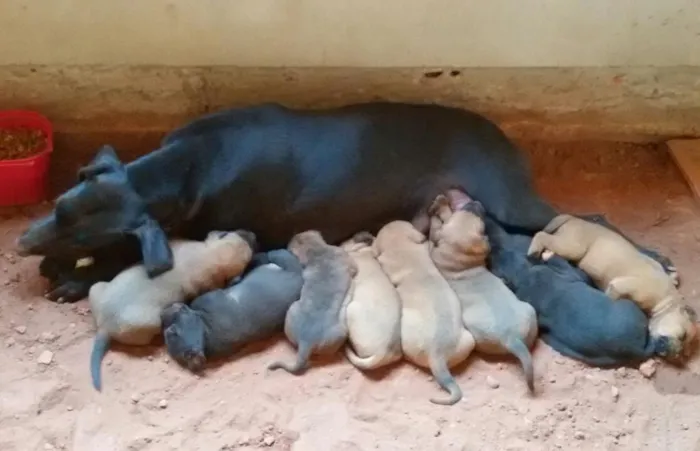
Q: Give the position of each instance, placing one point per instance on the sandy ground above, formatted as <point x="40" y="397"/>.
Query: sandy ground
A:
<point x="148" y="403"/>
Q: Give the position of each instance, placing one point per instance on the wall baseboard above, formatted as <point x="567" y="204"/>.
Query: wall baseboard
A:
<point x="622" y="104"/>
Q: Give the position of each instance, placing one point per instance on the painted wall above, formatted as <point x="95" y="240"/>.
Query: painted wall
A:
<point x="357" y="33"/>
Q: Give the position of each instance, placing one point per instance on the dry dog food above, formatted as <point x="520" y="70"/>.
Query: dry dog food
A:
<point x="18" y="143"/>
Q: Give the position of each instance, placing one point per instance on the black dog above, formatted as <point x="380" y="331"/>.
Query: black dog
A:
<point x="278" y="172"/>
<point x="220" y="322"/>
<point x="574" y="318"/>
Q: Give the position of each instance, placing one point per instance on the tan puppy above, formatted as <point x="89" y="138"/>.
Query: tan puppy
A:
<point x="617" y="267"/>
<point x="127" y="309"/>
<point x="374" y="313"/>
<point x="316" y="322"/>
<point x="498" y="320"/>
<point x="432" y="334"/>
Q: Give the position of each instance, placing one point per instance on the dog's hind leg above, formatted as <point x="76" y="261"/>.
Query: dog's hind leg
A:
<point x="542" y="241"/>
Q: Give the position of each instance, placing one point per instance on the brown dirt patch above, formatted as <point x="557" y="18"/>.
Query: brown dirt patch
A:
<point x="150" y="404"/>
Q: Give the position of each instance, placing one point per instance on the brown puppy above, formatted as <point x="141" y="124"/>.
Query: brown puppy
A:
<point x="374" y="312"/>
<point x="617" y="267"/>
<point x="498" y="320"/>
<point x="128" y="308"/>
<point x="316" y="322"/>
<point x="432" y="334"/>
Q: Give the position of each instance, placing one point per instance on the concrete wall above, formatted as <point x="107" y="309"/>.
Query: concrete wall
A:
<point x="624" y="69"/>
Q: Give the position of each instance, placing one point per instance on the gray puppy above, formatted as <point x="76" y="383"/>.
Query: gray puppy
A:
<point x="316" y="322"/>
<point x="221" y="322"/>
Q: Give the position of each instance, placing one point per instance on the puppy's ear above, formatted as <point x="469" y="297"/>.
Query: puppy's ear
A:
<point x="476" y="208"/>
<point x="155" y="249"/>
<point x="105" y="161"/>
<point x="167" y="316"/>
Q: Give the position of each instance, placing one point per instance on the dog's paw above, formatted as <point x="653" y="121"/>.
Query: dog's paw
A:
<point x="68" y="293"/>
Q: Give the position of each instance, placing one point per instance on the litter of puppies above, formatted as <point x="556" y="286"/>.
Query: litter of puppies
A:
<point x="433" y="289"/>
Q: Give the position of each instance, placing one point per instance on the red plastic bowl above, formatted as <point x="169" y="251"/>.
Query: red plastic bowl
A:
<point x="23" y="181"/>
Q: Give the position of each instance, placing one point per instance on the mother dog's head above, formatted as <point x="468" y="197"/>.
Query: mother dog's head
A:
<point x="101" y="209"/>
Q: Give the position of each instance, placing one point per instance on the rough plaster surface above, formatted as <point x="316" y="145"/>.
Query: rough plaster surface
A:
<point x="634" y="103"/>
<point x="355" y="33"/>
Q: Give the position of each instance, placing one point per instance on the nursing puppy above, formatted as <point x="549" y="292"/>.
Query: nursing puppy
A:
<point x="618" y="268"/>
<point x="316" y="322"/>
<point x="574" y="318"/>
<point x="432" y="334"/>
<point x="221" y="322"/>
<point x="499" y="321"/>
<point x="128" y="308"/>
<point x="373" y="314"/>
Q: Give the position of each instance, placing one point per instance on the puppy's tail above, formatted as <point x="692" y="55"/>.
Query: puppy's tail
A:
<point x="518" y="348"/>
<point x="438" y="366"/>
<point x="99" y="349"/>
<point x="371" y="362"/>
<point x="303" y="355"/>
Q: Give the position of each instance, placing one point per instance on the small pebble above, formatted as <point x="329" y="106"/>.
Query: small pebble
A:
<point x="10" y="342"/>
<point x="561" y="407"/>
<point x="163" y="404"/>
<point x="552" y="379"/>
<point x="648" y="368"/>
<point x="49" y="447"/>
<point x="150" y="358"/>
<point x="269" y="440"/>
<point x="21" y="329"/>
<point x="31" y="350"/>
<point x="578" y="435"/>
<point x="491" y="382"/>
<point x="135" y="398"/>
<point x="684" y="427"/>
<point x="45" y="357"/>
<point x="615" y="392"/>
<point x="167" y="360"/>
<point x="30" y="307"/>
<point x="69" y="408"/>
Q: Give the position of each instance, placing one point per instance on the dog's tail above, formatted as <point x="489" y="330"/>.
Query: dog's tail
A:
<point x="441" y="372"/>
<point x="557" y="222"/>
<point x="99" y="349"/>
<point x="303" y="355"/>
<point x="371" y="362"/>
<point x="517" y="347"/>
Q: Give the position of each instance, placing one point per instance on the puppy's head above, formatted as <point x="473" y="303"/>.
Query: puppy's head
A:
<point x="361" y="241"/>
<point x="675" y="333"/>
<point x="464" y="235"/>
<point x="305" y="245"/>
<point x="183" y="331"/>
<point x="397" y="233"/>
<point x="237" y="236"/>
<point x="101" y="209"/>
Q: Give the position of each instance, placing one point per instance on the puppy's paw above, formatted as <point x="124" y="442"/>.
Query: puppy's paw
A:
<point x="68" y="292"/>
<point x="546" y="255"/>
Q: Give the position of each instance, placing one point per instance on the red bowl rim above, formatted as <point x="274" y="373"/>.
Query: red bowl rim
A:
<point x="45" y="127"/>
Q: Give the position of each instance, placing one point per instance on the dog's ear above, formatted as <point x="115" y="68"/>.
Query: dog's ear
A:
<point x="105" y="161"/>
<point x="155" y="249"/>
<point x="476" y="208"/>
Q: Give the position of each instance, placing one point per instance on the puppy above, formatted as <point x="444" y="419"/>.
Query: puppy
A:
<point x="574" y="318"/>
<point x="432" y="334"/>
<point x="498" y="320"/>
<point x="221" y="322"/>
<point x="617" y="267"/>
<point x="316" y="322"/>
<point x="373" y="313"/>
<point x="128" y="308"/>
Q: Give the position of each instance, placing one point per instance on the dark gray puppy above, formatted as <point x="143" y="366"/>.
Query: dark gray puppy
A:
<point x="574" y="318"/>
<point x="316" y="322"/>
<point x="221" y="322"/>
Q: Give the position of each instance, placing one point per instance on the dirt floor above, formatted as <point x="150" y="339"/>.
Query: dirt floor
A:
<point x="149" y="403"/>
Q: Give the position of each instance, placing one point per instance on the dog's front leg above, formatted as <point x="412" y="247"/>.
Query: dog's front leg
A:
<point x="543" y="241"/>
